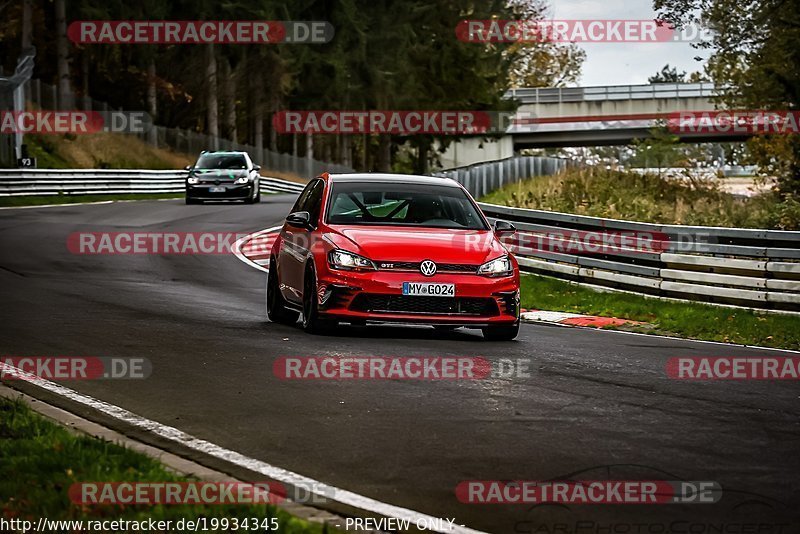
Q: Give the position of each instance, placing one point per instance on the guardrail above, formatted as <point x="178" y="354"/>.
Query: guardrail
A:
<point x="482" y="178"/>
<point x="746" y="267"/>
<point x="21" y="182"/>
<point x="551" y="95"/>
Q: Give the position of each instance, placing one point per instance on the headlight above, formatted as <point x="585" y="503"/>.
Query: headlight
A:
<point x="243" y="180"/>
<point x="340" y="259"/>
<point x="498" y="267"/>
<point x="192" y="180"/>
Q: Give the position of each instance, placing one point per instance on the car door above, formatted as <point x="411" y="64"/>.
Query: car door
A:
<point x="297" y="243"/>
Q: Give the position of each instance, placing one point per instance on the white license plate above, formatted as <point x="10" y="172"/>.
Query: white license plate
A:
<point x="216" y="189"/>
<point x="429" y="290"/>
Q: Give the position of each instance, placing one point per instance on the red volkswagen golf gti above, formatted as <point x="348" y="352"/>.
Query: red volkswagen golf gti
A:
<point x="364" y="248"/>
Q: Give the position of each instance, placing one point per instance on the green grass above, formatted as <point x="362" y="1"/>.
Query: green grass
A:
<point x="648" y="198"/>
<point x="687" y="320"/>
<point x="77" y="199"/>
<point x="40" y="460"/>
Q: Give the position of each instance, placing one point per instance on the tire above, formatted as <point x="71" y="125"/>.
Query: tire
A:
<point x="501" y="332"/>
<point x="312" y="323"/>
<point x="258" y="195"/>
<point x="277" y="312"/>
<point x="190" y="201"/>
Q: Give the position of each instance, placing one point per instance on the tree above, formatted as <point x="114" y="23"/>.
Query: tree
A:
<point x="27" y="24"/>
<point x="212" y="114"/>
<point x="385" y="55"/>
<point x="668" y="75"/>
<point x="63" y="53"/>
<point x="541" y="63"/>
<point x="755" y="54"/>
<point x="659" y="150"/>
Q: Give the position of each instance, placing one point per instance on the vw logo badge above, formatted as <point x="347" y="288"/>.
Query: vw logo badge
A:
<point x="427" y="268"/>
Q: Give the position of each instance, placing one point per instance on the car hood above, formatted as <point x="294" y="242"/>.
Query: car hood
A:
<point x="441" y="245"/>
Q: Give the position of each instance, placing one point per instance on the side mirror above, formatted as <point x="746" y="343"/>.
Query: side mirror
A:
<point x="256" y="168"/>
<point x="504" y="227"/>
<point x="299" y="219"/>
<point x="187" y="168"/>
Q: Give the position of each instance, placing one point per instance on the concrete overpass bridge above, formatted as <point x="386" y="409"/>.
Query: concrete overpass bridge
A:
<point x="604" y="115"/>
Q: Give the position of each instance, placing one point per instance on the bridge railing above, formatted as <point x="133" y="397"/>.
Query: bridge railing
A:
<point x="483" y="178"/>
<point x="745" y="267"/>
<point x="32" y="182"/>
<point x="551" y="95"/>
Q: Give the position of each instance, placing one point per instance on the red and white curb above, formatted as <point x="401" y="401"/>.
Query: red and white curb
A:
<point x="574" y="319"/>
<point x="254" y="249"/>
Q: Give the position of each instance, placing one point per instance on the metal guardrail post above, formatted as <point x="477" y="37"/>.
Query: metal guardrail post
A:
<point x="499" y="177"/>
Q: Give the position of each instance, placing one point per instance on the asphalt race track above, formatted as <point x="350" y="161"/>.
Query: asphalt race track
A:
<point x="597" y="404"/>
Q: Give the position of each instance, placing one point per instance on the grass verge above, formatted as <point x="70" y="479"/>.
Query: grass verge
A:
<point x="80" y="199"/>
<point x="648" y="198"/>
<point x="101" y="151"/>
<point x="687" y="320"/>
<point x="40" y="460"/>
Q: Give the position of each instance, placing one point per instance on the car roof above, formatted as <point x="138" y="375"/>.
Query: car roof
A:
<point x="393" y="178"/>
<point x="224" y="152"/>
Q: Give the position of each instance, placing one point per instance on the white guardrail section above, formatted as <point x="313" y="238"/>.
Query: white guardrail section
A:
<point x="746" y="267"/>
<point x="21" y="182"/>
<point x="482" y="178"/>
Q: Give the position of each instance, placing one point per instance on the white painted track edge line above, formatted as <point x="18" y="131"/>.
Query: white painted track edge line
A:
<point x="686" y="339"/>
<point x="187" y="440"/>
<point x="66" y="204"/>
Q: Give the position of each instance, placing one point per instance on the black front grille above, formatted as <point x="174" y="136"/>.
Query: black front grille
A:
<point x="456" y="267"/>
<point x="375" y="303"/>
<point x="414" y="266"/>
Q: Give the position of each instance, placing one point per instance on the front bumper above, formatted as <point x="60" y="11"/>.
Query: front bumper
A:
<point x="377" y="296"/>
<point x="232" y="191"/>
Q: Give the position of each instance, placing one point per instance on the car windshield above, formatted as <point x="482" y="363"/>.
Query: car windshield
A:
<point x="403" y="204"/>
<point x="221" y="161"/>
